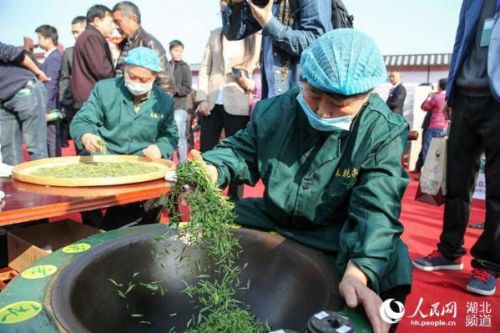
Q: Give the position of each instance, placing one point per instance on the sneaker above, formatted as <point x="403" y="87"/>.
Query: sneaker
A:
<point x="482" y="282"/>
<point x="436" y="260"/>
<point x="479" y="225"/>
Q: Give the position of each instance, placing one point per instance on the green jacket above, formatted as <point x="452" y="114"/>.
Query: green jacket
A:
<point x="109" y="113"/>
<point x="338" y="192"/>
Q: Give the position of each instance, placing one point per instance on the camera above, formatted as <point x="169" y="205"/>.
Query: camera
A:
<point x="238" y="72"/>
<point x="260" y="3"/>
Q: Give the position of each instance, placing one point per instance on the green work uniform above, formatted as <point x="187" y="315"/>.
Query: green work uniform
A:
<point x="109" y="113"/>
<point x="339" y="192"/>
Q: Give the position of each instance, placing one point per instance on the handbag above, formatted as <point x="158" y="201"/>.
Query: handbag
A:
<point x="432" y="184"/>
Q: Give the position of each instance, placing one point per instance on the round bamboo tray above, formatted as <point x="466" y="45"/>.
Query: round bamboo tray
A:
<point x="23" y="172"/>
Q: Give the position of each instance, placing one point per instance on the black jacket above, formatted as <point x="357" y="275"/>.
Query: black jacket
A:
<point x="396" y="99"/>
<point x="143" y="38"/>
<point x="183" y="84"/>
<point x="65" y="95"/>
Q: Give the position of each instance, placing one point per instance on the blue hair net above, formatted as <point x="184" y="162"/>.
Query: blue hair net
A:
<point x="143" y="57"/>
<point x="343" y="61"/>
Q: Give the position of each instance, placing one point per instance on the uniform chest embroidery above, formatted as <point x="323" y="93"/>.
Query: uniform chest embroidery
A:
<point x="347" y="174"/>
<point x="155" y="115"/>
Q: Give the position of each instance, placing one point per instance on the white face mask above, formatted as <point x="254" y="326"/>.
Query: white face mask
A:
<point x="138" y="89"/>
<point x="324" y="124"/>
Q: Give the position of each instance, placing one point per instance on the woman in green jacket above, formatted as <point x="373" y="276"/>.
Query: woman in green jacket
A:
<point x="329" y="155"/>
<point x="131" y="116"/>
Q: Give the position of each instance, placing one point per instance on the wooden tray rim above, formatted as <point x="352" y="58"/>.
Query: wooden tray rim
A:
<point x="20" y="171"/>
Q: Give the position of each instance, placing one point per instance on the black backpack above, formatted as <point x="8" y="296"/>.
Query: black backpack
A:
<point x="340" y="16"/>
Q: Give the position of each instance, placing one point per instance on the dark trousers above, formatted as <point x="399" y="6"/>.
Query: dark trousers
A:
<point x="136" y="213"/>
<point x="420" y="160"/>
<point x="69" y="112"/>
<point x="475" y="125"/>
<point x="211" y="128"/>
<point x="54" y="138"/>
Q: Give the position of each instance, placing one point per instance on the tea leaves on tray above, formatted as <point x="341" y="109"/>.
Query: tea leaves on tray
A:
<point x="95" y="170"/>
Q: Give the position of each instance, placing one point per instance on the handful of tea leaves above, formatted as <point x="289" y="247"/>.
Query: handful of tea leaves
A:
<point x="102" y="144"/>
<point x="209" y="229"/>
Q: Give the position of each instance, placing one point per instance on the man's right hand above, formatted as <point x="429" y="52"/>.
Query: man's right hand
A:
<point x="202" y="109"/>
<point x="91" y="143"/>
<point x="211" y="170"/>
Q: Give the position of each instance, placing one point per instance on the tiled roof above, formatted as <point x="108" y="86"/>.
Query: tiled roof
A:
<point x="433" y="59"/>
<point x="430" y="59"/>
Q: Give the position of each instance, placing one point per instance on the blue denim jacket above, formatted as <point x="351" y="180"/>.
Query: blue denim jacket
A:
<point x="282" y="45"/>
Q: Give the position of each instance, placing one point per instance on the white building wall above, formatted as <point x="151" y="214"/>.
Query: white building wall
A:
<point x="418" y="77"/>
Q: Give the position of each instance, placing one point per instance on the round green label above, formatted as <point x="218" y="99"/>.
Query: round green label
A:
<point x="18" y="312"/>
<point x="76" y="248"/>
<point x="39" y="272"/>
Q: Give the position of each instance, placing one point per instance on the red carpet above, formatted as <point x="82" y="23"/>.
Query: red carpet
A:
<point x="444" y="302"/>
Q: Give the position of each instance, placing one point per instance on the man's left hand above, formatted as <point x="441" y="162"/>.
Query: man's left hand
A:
<point x="42" y="77"/>
<point x="152" y="152"/>
<point x="354" y="290"/>
<point x="262" y="14"/>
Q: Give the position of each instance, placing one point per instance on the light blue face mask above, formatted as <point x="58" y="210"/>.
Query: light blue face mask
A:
<point x="324" y="124"/>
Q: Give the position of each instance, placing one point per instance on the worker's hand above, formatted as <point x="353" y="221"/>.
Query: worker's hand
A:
<point x="202" y="109"/>
<point x="355" y="291"/>
<point x="91" y="143"/>
<point x="152" y="152"/>
<point x="262" y="14"/>
<point x="211" y="170"/>
<point x="40" y="75"/>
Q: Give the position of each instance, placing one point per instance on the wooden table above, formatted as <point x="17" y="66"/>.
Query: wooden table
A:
<point x="26" y="202"/>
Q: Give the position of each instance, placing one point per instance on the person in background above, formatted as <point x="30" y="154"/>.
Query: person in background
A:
<point x="92" y="57"/>
<point x="183" y="87"/>
<point x="128" y="19"/>
<point x="288" y="28"/>
<point x="396" y="101"/>
<point x="420" y="160"/>
<point x="225" y="89"/>
<point x="132" y="116"/>
<point x="78" y="25"/>
<point x="115" y="42"/>
<point x="397" y="94"/>
<point x="473" y="93"/>
<point x="48" y="40"/>
<point x="435" y="104"/>
<point x="23" y="105"/>
<point x="327" y="151"/>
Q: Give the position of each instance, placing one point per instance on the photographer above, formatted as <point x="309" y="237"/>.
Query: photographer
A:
<point x="288" y="27"/>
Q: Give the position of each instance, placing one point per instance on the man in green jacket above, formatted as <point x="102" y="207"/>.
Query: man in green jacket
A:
<point x="132" y="116"/>
<point x="329" y="155"/>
